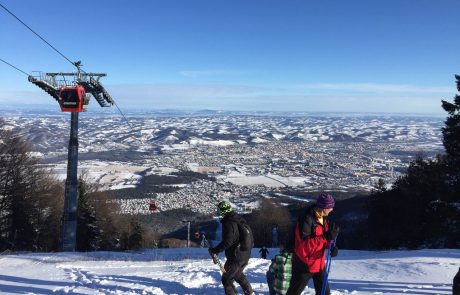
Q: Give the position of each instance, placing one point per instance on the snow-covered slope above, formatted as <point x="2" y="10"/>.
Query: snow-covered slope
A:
<point x="190" y="271"/>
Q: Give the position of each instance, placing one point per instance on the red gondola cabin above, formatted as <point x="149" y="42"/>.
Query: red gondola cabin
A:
<point x="153" y="207"/>
<point x="72" y="98"/>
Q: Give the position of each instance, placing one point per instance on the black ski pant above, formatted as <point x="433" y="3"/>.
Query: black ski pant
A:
<point x="234" y="272"/>
<point x="300" y="277"/>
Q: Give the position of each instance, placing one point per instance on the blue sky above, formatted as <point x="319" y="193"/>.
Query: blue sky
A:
<point x="341" y="56"/>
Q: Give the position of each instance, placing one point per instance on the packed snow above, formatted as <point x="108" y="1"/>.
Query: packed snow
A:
<point x="191" y="271"/>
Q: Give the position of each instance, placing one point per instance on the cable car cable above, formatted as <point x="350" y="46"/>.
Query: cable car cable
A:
<point x="76" y="64"/>
<point x="15" y="67"/>
<point x="123" y="115"/>
<point x="6" y="9"/>
<point x="73" y="63"/>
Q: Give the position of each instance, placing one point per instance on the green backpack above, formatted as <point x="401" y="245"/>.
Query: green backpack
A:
<point x="279" y="273"/>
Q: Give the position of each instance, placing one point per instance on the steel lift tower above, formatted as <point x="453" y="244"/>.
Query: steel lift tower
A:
<point x="73" y="96"/>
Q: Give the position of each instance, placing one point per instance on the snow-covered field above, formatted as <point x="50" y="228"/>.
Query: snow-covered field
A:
<point x="190" y="271"/>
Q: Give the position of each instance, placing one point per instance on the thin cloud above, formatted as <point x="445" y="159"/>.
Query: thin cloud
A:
<point x="247" y="97"/>
<point x="208" y="73"/>
<point x="186" y="90"/>
<point x="377" y="88"/>
<point x="225" y="97"/>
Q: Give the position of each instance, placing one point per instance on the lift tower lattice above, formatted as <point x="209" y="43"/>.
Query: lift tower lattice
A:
<point x="72" y="96"/>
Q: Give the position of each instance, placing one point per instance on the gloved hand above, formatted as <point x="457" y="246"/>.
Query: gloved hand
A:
<point x="334" y="251"/>
<point x="333" y="232"/>
<point x="213" y="254"/>
<point x="212" y="251"/>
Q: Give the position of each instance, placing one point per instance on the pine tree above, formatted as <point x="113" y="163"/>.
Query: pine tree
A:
<point x="108" y="220"/>
<point x="451" y="132"/>
<point x="98" y="223"/>
<point x="135" y="239"/>
<point x="88" y="233"/>
<point x="15" y="166"/>
<point x="380" y="186"/>
<point x="451" y="140"/>
<point x="51" y="206"/>
<point x="23" y="195"/>
<point x="132" y="237"/>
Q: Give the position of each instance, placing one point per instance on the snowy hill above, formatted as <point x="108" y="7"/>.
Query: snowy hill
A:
<point x="190" y="271"/>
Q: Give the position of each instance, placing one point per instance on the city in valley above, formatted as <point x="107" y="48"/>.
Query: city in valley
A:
<point x="241" y="156"/>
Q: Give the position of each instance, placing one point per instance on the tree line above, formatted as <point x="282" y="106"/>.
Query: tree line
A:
<point x="31" y="207"/>
<point x="422" y="208"/>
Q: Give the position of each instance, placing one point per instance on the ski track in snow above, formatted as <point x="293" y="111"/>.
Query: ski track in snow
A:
<point x="421" y="272"/>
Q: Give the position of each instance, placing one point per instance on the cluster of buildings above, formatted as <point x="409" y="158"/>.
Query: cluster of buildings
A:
<point x="243" y="173"/>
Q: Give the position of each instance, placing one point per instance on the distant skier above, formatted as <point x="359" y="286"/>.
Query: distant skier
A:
<point x="263" y="252"/>
<point x="237" y="242"/>
<point x="311" y="239"/>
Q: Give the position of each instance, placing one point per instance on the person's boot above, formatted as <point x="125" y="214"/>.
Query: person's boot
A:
<point x="247" y="289"/>
<point x="230" y="290"/>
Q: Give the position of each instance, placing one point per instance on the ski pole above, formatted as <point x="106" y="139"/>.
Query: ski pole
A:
<point x="328" y="266"/>
<point x="217" y="261"/>
<point x="221" y="266"/>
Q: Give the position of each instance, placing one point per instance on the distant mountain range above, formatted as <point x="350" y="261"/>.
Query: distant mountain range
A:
<point x="49" y="131"/>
